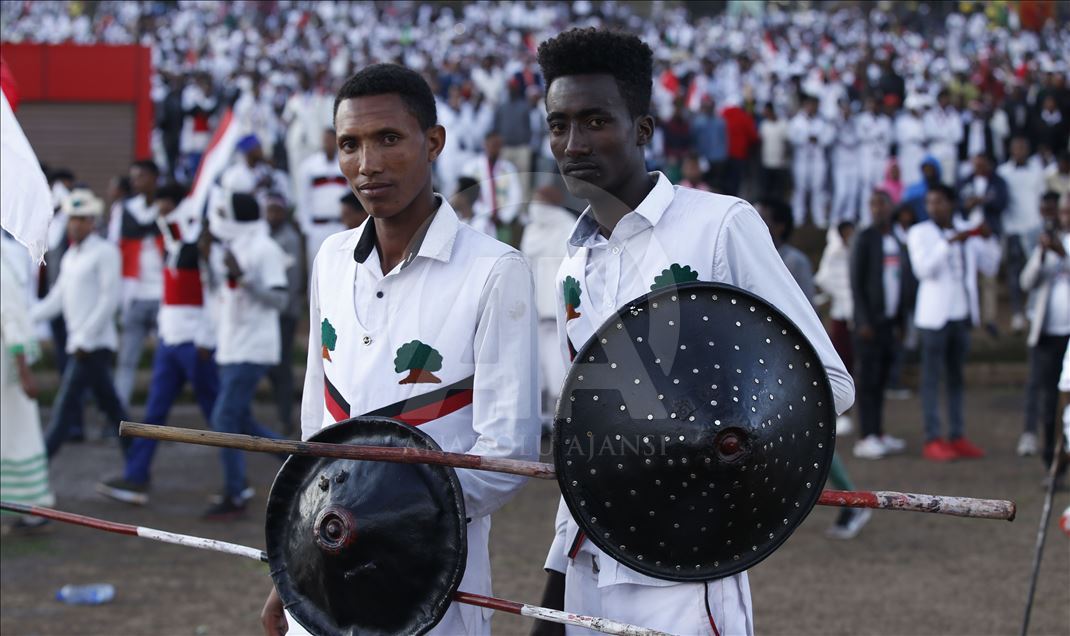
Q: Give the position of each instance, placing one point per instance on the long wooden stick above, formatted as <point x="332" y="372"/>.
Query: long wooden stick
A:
<point x="604" y="625"/>
<point x="338" y="451"/>
<point x="885" y="500"/>
<point x="1045" y="515"/>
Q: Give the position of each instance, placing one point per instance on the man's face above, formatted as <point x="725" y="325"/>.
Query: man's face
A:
<point x="275" y="215"/>
<point x="880" y="208"/>
<point x="981" y="166"/>
<point x="492" y="144"/>
<point x="938" y="207"/>
<point x="165" y="206"/>
<point x="384" y="154"/>
<point x="593" y="137"/>
<point x="79" y="227"/>
<point x="1019" y="149"/>
<point x="142" y="181"/>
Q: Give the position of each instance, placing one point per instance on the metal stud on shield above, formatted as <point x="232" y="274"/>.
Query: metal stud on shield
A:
<point x="694" y="432"/>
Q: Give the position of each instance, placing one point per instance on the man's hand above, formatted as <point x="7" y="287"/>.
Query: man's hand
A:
<point x="204" y="355"/>
<point x="272" y="617"/>
<point x="1048" y="242"/>
<point x="231" y="263"/>
<point x="29" y="385"/>
<point x="865" y="332"/>
<point x="553" y="597"/>
<point x="984" y="230"/>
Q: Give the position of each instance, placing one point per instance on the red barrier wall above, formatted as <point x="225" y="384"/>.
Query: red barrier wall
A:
<point x="96" y="73"/>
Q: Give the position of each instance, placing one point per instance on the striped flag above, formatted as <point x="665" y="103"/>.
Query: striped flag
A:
<point x="25" y="199"/>
<point x="216" y="159"/>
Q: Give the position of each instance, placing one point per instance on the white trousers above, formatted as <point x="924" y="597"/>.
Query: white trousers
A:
<point x="683" y="608"/>
<point x="846" y="184"/>
<point x="809" y="176"/>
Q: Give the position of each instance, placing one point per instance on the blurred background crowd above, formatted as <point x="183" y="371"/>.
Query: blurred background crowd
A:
<point x="806" y="109"/>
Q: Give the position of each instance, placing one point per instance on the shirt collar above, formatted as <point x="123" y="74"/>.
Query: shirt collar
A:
<point x="649" y="211"/>
<point x="435" y="242"/>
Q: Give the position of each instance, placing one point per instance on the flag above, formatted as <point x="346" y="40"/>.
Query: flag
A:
<point x="25" y="199"/>
<point x="216" y="158"/>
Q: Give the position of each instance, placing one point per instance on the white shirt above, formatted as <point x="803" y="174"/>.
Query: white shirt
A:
<point x="320" y="186"/>
<point x="943" y="127"/>
<point x="499" y="191"/>
<point x="723" y="239"/>
<point x="1025" y="185"/>
<point x="249" y="329"/>
<point x="833" y="276"/>
<point x="893" y="273"/>
<point x="945" y="270"/>
<point x="261" y="179"/>
<point x="148" y="284"/>
<point x="87" y="294"/>
<point x="774" y="135"/>
<point x="809" y="136"/>
<point x="875" y="135"/>
<point x="468" y="298"/>
<point x="544" y="244"/>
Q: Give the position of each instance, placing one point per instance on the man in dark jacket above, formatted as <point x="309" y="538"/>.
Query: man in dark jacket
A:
<point x="983" y="195"/>
<point x="882" y="288"/>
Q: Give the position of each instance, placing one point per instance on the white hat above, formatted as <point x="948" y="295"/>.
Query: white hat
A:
<point x="81" y="202"/>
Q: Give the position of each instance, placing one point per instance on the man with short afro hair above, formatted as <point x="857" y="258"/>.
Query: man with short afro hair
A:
<point x="637" y="228"/>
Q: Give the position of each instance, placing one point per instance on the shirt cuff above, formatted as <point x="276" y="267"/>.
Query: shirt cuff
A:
<point x="556" y="560"/>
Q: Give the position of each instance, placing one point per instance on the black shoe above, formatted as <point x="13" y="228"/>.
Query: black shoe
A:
<point x="227" y="510"/>
<point x="247" y="493"/>
<point x="125" y="491"/>
<point x="28" y="526"/>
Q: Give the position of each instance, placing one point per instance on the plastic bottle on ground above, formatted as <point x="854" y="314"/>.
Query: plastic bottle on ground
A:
<point x="93" y="594"/>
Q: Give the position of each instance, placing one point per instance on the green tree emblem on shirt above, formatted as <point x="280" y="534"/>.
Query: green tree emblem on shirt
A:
<point x="572" y="298"/>
<point x="420" y="360"/>
<point x="674" y="275"/>
<point x="328" y="338"/>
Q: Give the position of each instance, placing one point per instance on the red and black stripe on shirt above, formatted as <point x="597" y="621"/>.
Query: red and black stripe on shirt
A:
<point x="131" y="234"/>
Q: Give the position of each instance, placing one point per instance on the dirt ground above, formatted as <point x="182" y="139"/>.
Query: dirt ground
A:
<point x="906" y="573"/>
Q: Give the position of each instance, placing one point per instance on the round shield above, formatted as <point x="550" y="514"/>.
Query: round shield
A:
<point x="694" y="433"/>
<point x="366" y="547"/>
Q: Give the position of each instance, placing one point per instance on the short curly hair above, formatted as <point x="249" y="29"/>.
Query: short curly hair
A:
<point x="384" y="79"/>
<point x="589" y="51"/>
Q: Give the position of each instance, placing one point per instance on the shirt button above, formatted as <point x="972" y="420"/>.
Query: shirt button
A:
<point x="367" y="340"/>
<point x="379" y="294"/>
<point x="616" y="250"/>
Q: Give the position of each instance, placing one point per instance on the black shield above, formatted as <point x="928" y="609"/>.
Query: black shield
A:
<point x="362" y="547"/>
<point x="694" y="433"/>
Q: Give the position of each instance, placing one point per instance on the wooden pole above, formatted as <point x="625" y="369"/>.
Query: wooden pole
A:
<point x="956" y="506"/>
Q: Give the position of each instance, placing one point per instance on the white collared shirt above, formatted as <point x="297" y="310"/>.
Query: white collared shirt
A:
<point x="721" y="239"/>
<point x="87" y="294"/>
<point x="947" y="272"/>
<point x="319" y="187"/>
<point x="469" y="301"/>
<point x="248" y="330"/>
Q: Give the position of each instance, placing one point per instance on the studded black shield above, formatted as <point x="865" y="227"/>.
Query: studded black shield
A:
<point x="363" y="547"/>
<point x="694" y="433"/>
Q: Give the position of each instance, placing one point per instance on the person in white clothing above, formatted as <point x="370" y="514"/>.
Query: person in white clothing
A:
<point x="639" y="225"/>
<point x="543" y="244"/>
<point x="875" y="145"/>
<point x="23" y="464"/>
<point x="1025" y="179"/>
<point x="500" y="190"/>
<point x="947" y="253"/>
<point x="1047" y="276"/>
<point x="846" y="167"/>
<point x="141" y="248"/>
<point x="810" y="136"/>
<point x="319" y="185"/>
<point x="253" y="174"/>
<point x="910" y="139"/>
<point x="943" y="130"/>
<point x="414" y="284"/>
<point x="773" y="131"/>
<point x="252" y="268"/>
<point x="87" y="294"/>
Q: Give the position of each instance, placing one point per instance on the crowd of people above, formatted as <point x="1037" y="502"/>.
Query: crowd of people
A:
<point x="935" y="154"/>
